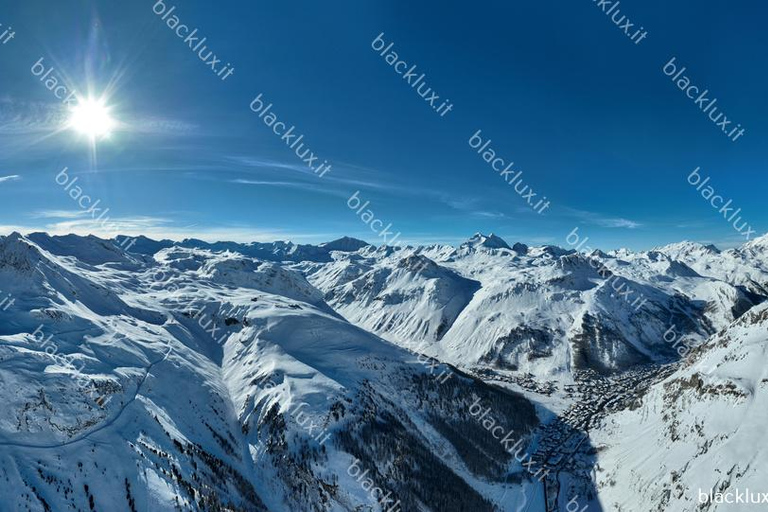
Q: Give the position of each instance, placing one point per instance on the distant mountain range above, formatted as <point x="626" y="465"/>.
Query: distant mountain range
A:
<point x="270" y="376"/>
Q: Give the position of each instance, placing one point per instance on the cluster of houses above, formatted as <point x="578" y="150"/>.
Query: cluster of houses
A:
<point x="594" y="396"/>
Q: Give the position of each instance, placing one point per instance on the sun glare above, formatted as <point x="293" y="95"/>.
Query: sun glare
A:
<point x="91" y="117"/>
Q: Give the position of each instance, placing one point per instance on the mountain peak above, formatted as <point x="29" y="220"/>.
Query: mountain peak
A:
<point x="760" y="242"/>
<point x="345" y="244"/>
<point x="489" y="242"/>
<point x="520" y="248"/>
<point x="686" y="247"/>
<point x="15" y="236"/>
<point x="18" y="252"/>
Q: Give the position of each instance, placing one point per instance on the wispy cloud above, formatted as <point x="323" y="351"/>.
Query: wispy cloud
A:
<point x="268" y="183"/>
<point x="23" y="117"/>
<point x="601" y="220"/>
<point x="57" y="214"/>
<point x="301" y="185"/>
<point x="158" y="126"/>
<point x="489" y="215"/>
<point x="338" y="177"/>
<point x="617" y="223"/>
<point x="243" y="181"/>
<point x="692" y="225"/>
<point x="265" y="163"/>
<point x="109" y="227"/>
<point x="26" y="118"/>
<point x="346" y="178"/>
<point x="12" y="177"/>
<point x="72" y="222"/>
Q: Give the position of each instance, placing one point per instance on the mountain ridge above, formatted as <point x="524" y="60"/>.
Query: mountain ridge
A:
<point x="251" y="376"/>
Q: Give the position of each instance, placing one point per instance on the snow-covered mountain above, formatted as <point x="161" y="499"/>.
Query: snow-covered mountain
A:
<point x="700" y="430"/>
<point x="208" y="380"/>
<point x="543" y="311"/>
<point x="409" y="299"/>
<point x="159" y="375"/>
<point x="745" y="266"/>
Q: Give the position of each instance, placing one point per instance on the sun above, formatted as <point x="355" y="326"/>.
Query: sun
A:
<point x="91" y="118"/>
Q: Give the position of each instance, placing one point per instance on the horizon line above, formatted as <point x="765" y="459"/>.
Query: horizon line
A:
<point x="177" y="239"/>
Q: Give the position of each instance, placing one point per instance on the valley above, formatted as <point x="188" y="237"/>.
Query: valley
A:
<point x="221" y="409"/>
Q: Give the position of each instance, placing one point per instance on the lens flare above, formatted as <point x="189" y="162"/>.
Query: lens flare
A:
<point x="91" y="118"/>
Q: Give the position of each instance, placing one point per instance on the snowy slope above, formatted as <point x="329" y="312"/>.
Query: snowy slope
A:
<point x="224" y="376"/>
<point x="745" y="266"/>
<point x="210" y="381"/>
<point x="411" y="300"/>
<point x="542" y="311"/>
<point x="700" y="429"/>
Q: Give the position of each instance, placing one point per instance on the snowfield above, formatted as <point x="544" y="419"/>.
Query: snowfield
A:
<point x="268" y="376"/>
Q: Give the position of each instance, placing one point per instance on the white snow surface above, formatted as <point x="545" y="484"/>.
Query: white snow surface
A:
<point x="184" y="375"/>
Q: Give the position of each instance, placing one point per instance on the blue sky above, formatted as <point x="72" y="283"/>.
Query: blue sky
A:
<point x="587" y="115"/>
